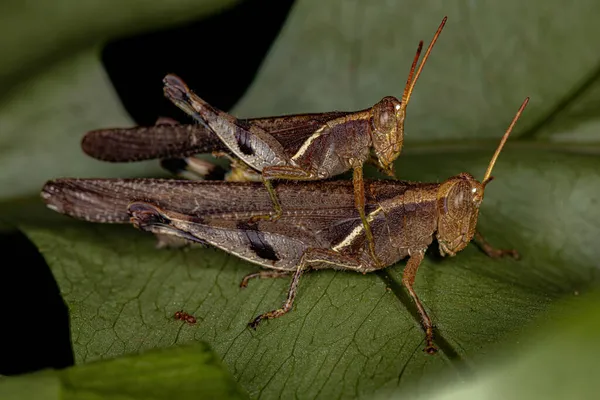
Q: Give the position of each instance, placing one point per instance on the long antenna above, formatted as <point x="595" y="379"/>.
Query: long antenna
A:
<point x="411" y="84"/>
<point x="487" y="177"/>
<point x="412" y="72"/>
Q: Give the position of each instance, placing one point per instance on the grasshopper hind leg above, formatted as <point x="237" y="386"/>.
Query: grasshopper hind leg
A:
<point x="316" y="259"/>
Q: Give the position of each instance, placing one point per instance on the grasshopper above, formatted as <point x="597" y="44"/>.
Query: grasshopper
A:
<point x="332" y="143"/>
<point x="319" y="228"/>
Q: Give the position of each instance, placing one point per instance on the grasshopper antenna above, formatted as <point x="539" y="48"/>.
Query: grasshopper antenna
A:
<point x="410" y="83"/>
<point x="411" y="73"/>
<point x="487" y="177"/>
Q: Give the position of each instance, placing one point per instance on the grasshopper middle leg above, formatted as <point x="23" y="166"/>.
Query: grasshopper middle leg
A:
<point x="263" y="275"/>
<point x="312" y="258"/>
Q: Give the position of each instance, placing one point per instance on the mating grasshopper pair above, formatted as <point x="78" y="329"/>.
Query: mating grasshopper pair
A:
<point x="360" y="225"/>
<point x="318" y="146"/>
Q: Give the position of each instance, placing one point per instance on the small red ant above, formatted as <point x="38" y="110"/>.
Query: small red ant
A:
<point x="183" y="316"/>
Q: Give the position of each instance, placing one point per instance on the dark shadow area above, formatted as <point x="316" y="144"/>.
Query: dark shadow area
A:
<point x="441" y="342"/>
<point x="217" y="57"/>
<point x="433" y="252"/>
<point x="35" y="330"/>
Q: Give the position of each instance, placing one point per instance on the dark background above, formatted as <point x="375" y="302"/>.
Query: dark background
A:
<point x="233" y="46"/>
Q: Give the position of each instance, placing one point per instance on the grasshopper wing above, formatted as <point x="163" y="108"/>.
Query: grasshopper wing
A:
<point x="178" y="140"/>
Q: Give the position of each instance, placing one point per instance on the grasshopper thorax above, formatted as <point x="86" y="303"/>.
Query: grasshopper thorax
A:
<point x="387" y="131"/>
<point x="458" y="201"/>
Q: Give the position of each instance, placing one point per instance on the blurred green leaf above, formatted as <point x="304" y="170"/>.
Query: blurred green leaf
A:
<point x="185" y="372"/>
<point x="490" y="56"/>
<point x="561" y="365"/>
<point x="53" y="88"/>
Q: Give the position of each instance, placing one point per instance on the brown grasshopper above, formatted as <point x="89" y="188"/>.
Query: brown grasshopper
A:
<point x="319" y="228"/>
<point x="332" y="143"/>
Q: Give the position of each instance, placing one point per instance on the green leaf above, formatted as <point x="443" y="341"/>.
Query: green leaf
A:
<point x="489" y="57"/>
<point x="558" y="366"/>
<point x="53" y="88"/>
<point x="348" y="334"/>
<point x="185" y="372"/>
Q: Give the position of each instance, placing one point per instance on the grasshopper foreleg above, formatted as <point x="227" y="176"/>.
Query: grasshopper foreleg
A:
<point x="493" y="252"/>
<point x="317" y="259"/>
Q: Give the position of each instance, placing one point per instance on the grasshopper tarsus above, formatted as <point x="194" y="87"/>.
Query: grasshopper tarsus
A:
<point x="513" y="253"/>
<point x="499" y="253"/>
<point x="430" y="349"/>
<point x="254" y="323"/>
<point x="269" y="315"/>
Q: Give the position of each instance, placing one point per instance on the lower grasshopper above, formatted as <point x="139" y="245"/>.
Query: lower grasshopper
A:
<point x="294" y="147"/>
<point x="319" y="228"/>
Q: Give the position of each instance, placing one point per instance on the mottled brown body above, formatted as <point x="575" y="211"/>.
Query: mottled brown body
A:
<point x="319" y="227"/>
<point x="320" y="146"/>
<point x="316" y="214"/>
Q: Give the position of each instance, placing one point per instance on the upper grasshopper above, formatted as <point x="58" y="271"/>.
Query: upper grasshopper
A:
<point x="336" y="143"/>
<point x="319" y="227"/>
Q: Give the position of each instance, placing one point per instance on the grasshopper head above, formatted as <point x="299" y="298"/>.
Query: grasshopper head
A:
<point x="387" y="131"/>
<point x="387" y="116"/>
<point x="458" y="201"/>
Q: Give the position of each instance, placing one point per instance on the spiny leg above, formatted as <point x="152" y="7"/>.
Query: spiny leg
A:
<point x="493" y="252"/>
<point x="359" y="200"/>
<point x="280" y="172"/>
<point x="263" y="275"/>
<point x="316" y="258"/>
<point x="408" y="279"/>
